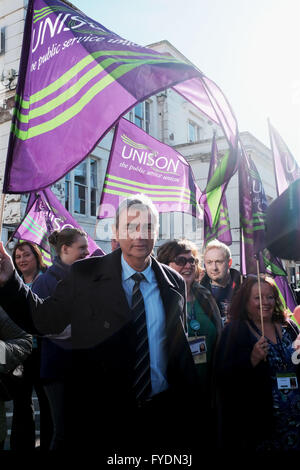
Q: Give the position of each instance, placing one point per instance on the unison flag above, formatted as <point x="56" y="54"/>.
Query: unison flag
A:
<point x="216" y="218"/>
<point x="76" y="79"/>
<point x="44" y="214"/>
<point x="253" y="205"/>
<point x="286" y="168"/>
<point x="139" y="163"/>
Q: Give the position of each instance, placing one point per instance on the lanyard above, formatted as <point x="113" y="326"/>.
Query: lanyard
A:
<point x="278" y="340"/>
<point x="191" y="317"/>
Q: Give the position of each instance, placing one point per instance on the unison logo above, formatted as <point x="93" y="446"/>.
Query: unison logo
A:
<point x="143" y="155"/>
<point x="57" y="25"/>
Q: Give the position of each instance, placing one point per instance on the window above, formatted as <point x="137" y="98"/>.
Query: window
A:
<point x="194" y="132"/>
<point x="2" y="40"/>
<point x="67" y="192"/>
<point x="140" y="115"/>
<point x="82" y="188"/>
<point x="147" y="117"/>
<point x="93" y="185"/>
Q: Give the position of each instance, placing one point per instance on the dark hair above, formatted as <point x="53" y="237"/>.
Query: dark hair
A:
<point x="167" y="252"/>
<point x="66" y="236"/>
<point x="238" y="308"/>
<point x="35" y="251"/>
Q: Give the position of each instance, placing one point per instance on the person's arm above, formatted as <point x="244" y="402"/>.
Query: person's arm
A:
<point x="42" y="286"/>
<point x="234" y="351"/>
<point x="27" y="310"/>
<point x="15" y="344"/>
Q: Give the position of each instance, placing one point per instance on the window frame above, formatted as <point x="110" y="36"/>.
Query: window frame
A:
<point x="145" y="119"/>
<point x="197" y="131"/>
<point x="71" y="183"/>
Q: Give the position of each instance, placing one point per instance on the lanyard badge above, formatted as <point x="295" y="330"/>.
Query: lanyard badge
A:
<point x="287" y="381"/>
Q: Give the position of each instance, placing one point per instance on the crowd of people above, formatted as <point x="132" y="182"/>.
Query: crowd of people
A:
<point x="165" y="351"/>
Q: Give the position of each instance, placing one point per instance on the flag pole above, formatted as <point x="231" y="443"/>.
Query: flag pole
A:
<point x="1" y="213"/>
<point x="259" y="294"/>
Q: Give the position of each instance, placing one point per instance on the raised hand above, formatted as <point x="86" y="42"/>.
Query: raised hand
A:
<point x="6" y="265"/>
<point x="259" y="351"/>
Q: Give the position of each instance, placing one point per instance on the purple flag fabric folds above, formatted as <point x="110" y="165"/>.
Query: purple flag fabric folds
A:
<point x="216" y="217"/>
<point x="286" y="168"/>
<point x="76" y="80"/>
<point x="139" y="163"/>
<point x="253" y="205"/>
<point x="44" y="214"/>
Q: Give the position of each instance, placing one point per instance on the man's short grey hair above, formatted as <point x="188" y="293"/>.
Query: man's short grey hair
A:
<point x="142" y="202"/>
<point x="217" y="244"/>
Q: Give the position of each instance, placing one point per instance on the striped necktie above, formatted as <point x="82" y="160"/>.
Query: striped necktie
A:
<point x="142" y="376"/>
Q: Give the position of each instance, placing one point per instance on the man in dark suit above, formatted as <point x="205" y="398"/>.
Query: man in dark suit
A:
<point x="132" y="366"/>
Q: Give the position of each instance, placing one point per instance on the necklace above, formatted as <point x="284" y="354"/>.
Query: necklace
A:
<point x="193" y="322"/>
<point x="32" y="279"/>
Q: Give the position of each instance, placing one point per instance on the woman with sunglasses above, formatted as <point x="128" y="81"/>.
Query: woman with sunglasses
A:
<point x="203" y="322"/>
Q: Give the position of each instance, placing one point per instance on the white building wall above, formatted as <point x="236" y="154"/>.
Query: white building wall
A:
<point x="12" y="18"/>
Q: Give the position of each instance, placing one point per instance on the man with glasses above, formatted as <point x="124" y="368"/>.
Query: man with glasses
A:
<point x="131" y="360"/>
<point x="220" y="278"/>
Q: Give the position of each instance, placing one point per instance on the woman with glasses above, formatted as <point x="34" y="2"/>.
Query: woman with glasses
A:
<point x="203" y="322"/>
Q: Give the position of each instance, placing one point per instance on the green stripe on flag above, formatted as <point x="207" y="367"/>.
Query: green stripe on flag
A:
<point x="79" y="66"/>
<point x="150" y="192"/>
<point x="154" y="198"/>
<point x="31" y="223"/>
<point x="70" y="92"/>
<point x="77" y="107"/>
<point x="213" y="200"/>
<point x="31" y="229"/>
<point x="218" y="177"/>
<point x="47" y="11"/>
<point x="145" y="185"/>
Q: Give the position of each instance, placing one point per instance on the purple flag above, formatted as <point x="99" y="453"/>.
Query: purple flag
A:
<point x="216" y="218"/>
<point x="285" y="292"/>
<point x="216" y="107"/>
<point x="139" y="163"/>
<point x="44" y="214"/>
<point x="76" y="80"/>
<point x="253" y="205"/>
<point x="285" y="165"/>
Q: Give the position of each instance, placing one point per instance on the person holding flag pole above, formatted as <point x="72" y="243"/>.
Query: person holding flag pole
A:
<point x="257" y="375"/>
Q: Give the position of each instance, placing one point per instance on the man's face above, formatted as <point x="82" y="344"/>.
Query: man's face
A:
<point x="217" y="265"/>
<point x="136" y="234"/>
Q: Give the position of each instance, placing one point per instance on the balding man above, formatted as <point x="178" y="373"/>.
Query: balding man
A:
<point x="220" y="278"/>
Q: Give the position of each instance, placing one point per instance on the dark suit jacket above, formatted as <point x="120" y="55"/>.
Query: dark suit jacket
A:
<point x="92" y="299"/>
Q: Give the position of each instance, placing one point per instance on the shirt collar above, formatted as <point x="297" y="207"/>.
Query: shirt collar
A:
<point x="128" y="271"/>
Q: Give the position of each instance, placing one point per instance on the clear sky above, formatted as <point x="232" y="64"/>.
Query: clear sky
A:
<point x="250" y="48"/>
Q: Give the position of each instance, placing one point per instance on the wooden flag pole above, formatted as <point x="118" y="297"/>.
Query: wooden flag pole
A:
<point x="1" y="213"/>
<point x="259" y="293"/>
